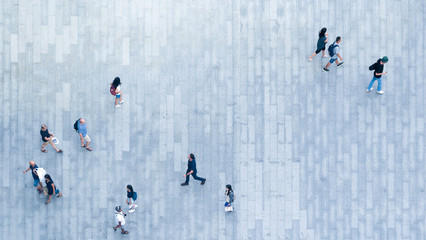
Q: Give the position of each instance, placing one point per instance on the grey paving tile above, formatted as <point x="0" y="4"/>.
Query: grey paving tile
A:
<point x="310" y="154"/>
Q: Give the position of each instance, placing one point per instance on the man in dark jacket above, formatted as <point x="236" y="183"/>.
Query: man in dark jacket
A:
<point x="378" y="72"/>
<point x="192" y="170"/>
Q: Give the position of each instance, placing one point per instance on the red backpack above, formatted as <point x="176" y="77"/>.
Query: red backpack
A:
<point x="112" y="90"/>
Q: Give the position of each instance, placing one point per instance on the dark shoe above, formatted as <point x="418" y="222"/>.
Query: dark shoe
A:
<point x="184" y="184"/>
<point x="340" y="64"/>
<point x="202" y="183"/>
<point x="59" y="151"/>
<point x="325" y="70"/>
<point x="124" y="232"/>
<point x="44" y="150"/>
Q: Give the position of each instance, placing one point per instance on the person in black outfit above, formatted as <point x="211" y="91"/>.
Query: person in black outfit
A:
<point x="322" y="41"/>
<point x="378" y="72"/>
<point x="51" y="188"/>
<point x="192" y="170"/>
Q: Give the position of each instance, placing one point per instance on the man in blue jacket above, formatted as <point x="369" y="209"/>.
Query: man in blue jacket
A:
<point x="192" y="170"/>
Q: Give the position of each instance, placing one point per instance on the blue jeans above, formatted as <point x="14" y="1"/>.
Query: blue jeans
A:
<point x="379" y="86"/>
<point x="194" y="175"/>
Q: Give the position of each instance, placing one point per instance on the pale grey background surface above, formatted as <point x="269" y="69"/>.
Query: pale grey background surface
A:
<point x="310" y="154"/>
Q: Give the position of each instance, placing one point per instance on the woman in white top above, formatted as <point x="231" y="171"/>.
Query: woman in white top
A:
<point x="118" y="94"/>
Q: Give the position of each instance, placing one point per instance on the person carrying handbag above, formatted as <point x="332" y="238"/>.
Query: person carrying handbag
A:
<point x="229" y="193"/>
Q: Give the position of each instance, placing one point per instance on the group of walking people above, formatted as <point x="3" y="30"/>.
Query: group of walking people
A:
<point x="334" y="52"/>
<point x="39" y="174"/>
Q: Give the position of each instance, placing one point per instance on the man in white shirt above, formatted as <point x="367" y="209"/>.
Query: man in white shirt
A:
<point x="119" y="220"/>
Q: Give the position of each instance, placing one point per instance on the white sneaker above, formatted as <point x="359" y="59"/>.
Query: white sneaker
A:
<point x="368" y="90"/>
<point x="310" y="59"/>
<point x="121" y="102"/>
<point x="380" y="92"/>
<point x="131" y="210"/>
<point x="118" y="105"/>
<point x="324" y="56"/>
<point x="135" y="206"/>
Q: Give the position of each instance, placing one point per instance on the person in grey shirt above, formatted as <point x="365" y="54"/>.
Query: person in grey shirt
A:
<point x="334" y="51"/>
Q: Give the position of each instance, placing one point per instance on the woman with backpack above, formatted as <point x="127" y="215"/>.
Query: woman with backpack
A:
<point x="322" y="41"/>
<point x="229" y="193"/>
<point x="116" y="90"/>
<point x="131" y="198"/>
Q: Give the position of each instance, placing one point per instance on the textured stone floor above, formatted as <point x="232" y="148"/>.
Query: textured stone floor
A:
<point x="309" y="154"/>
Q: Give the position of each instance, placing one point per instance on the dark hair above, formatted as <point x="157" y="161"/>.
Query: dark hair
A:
<point x="130" y="188"/>
<point x="47" y="176"/>
<point x="192" y="156"/>
<point x="230" y="188"/>
<point x="322" y="32"/>
<point x="116" y="82"/>
<point x="338" y="39"/>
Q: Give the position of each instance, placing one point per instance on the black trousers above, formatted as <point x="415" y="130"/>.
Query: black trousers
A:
<point x="194" y="175"/>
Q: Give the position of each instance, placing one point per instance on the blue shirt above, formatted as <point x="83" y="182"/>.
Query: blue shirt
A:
<point x="32" y="172"/>
<point x="82" y="129"/>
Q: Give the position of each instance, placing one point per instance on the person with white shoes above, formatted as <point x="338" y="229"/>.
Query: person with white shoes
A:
<point x="322" y="41"/>
<point x="378" y="73"/>
<point x="131" y="198"/>
<point x="116" y="86"/>
<point x="229" y="193"/>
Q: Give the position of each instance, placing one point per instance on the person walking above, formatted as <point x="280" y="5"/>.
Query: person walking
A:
<point x="131" y="198"/>
<point x="229" y="193"/>
<point x="51" y="188"/>
<point x="47" y="138"/>
<point x="116" y="85"/>
<point x="322" y="41"/>
<point x="192" y="170"/>
<point x="120" y="221"/>
<point x="33" y="168"/>
<point x="82" y="131"/>
<point x="378" y="73"/>
<point x="334" y="51"/>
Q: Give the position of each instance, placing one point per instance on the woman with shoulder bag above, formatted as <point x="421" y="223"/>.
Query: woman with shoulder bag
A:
<point x="131" y="198"/>
<point x="229" y="193"/>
